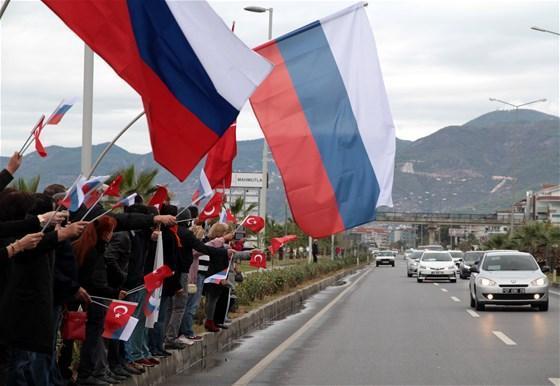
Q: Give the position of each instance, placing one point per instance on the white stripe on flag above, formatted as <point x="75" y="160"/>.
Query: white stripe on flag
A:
<point x="353" y="46"/>
<point x="156" y="295"/>
<point x="129" y="329"/>
<point x="234" y="68"/>
<point x="205" y="187"/>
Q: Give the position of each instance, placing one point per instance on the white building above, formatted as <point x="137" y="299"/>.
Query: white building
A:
<point x="543" y="205"/>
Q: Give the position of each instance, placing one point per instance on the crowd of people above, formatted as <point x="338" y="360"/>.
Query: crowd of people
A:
<point x="53" y="263"/>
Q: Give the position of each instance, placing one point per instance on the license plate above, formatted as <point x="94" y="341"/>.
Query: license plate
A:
<point x="437" y="273"/>
<point x="513" y="290"/>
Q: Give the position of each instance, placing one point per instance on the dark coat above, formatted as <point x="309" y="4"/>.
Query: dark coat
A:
<point x="93" y="274"/>
<point x="139" y="242"/>
<point x="26" y="297"/>
<point x="66" y="282"/>
<point x="17" y="228"/>
<point x="117" y="258"/>
<point x="5" y="178"/>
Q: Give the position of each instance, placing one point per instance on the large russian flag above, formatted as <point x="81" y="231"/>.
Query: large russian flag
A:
<point x="193" y="73"/>
<point x="325" y="115"/>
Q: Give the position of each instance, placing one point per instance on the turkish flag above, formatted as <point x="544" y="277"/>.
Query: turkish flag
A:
<point x="277" y="242"/>
<point x="117" y="317"/>
<point x="212" y="208"/>
<point x="114" y="189"/>
<point x="254" y="223"/>
<point x="230" y="217"/>
<point x="258" y="259"/>
<point x="36" y="133"/>
<point x="160" y="196"/>
<point x="155" y="279"/>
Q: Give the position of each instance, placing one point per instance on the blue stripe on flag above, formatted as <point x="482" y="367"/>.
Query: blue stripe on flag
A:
<point x="314" y="73"/>
<point x="164" y="48"/>
<point x="63" y="110"/>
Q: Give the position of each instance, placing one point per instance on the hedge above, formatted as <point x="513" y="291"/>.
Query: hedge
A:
<point x="260" y="284"/>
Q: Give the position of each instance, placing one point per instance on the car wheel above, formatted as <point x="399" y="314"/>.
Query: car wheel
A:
<point x="473" y="303"/>
<point x="461" y="276"/>
<point x="453" y="280"/>
<point x="479" y="306"/>
<point x="418" y="280"/>
<point x="393" y="265"/>
<point x="408" y="274"/>
<point x="377" y="264"/>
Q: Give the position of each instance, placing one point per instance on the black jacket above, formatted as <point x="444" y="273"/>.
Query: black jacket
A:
<point x="93" y="274"/>
<point x="139" y="242"/>
<point x="5" y="178"/>
<point x="17" y="228"/>
<point x="26" y="297"/>
<point x="117" y="258"/>
<point x="66" y="282"/>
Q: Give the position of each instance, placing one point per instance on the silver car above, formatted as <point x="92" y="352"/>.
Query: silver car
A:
<point x="508" y="278"/>
<point x="412" y="263"/>
<point x="436" y="265"/>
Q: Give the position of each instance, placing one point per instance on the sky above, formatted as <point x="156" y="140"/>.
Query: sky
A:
<point x="441" y="62"/>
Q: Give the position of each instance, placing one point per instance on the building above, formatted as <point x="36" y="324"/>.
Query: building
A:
<point x="405" y="234"/>
<point x="543" y="205"/>
<point x="370" y="235"/>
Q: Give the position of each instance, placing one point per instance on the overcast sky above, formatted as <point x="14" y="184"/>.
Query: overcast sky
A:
<point x="441" y="61"/>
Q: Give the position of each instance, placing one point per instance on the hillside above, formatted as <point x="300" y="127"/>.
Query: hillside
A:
<point x="466" y="168"/>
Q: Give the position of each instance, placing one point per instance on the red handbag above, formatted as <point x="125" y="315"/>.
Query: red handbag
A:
<point x="74" y="325"/>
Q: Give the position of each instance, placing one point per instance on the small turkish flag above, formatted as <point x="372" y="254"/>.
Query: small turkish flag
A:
<point x="117" y="317"/>
<point x="258" y="259"/>
<point x="155" y="279"/>
<point x="160" y="196"/>
<point x="278" y="242"/>
<point x="212" y="208"/>
<point x="114" y="189"/>
<point x="254" y="223"/>
<point x="36" y="133"/>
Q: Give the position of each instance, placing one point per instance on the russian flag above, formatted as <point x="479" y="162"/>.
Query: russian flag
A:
<point x="75" y="195"/>
<point x="126" y="201"/>
<point x="193" y="74"/>
<point x="218" y="277"/>
<point x="61" y="109"/>
<point x="93" y="184"/>
<point x="325" y="114"/>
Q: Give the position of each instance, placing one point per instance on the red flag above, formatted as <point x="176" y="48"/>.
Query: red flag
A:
<point x="92" y="198"/>
<point x="117" y="317"/>
<point x="230" y="217"/>
<point x="254" y="223"/>
<point x="114" y="189"/>
<point x="258" y="259"/>
<point x="212" y="208"/>
<point x="36" y="133"/>
<point x="155" y="279"/>
<point x="219" y="162"/>
<point x="160" y="196"/>
<point x="277" y="242"/>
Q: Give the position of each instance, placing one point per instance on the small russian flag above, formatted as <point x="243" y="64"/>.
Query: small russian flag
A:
<point x="127" y="201"/>
<point x="218" y="277"/>
<point x="59" y="112"/>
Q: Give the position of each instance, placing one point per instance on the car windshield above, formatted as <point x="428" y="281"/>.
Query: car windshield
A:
<point x="416" y="255"/>
<point x="456" y="253"/>
<point x="510" y="263"/>
<point x="427" y="256"/>
<point x="471" y="257"/>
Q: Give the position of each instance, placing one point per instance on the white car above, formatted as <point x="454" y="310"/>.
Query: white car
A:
<point x="457" y="257"/>
<point x="412" y="263"/>
<point x="508" y="278"/>
<point x="385" y="257"/>
<point x="436" y="265"/>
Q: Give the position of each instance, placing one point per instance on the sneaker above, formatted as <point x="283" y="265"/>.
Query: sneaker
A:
<point x="154" y="361"/>
<point x="161" y="354"/>
<point x="144" y="362"/>
<point x="91" y="380"/>
<point x="134" y="369"/>
<point x="195" y="338"/>
<point x="210" y="326"/>
<point x="120" y="371"/>
<point x="184" y="340"/>
<point x="119" y="378"/>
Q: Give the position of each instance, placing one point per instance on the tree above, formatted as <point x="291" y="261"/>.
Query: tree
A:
<point x="30" y="186"/>
<point x="498" y="242"/>
<point x="141" y="183"/>
<point x="238" y="209"/>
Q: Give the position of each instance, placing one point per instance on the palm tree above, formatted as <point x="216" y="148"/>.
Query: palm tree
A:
<point x="29" y="186"/>
<point x="498" y="242"/>
<point x="238" y="209"/>
<point x="141" y="183"/>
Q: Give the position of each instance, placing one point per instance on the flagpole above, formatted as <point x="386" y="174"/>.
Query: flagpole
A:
<point x="27" y="142"/>
<point x="60" y="205"/>
<point x="191" y="204"/>
<point x="4" y="6"/>
<point x="101" y="215"/>
<point x="110" y="145"/>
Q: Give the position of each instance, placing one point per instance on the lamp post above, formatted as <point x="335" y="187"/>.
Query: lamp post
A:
<point x="262" y="199"/>
<point x="545" y="30"/>
<point x="516" y="109"/>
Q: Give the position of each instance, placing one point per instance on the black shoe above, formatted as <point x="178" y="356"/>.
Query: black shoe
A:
<point x="91" y="381"/>
<point x="110" y="380"/>
<point x="162" y="354"/>
<point x="175" y="346"/>
<point x="120" y="371"/>
<point x="134" y="370"/>
<point x="222" y="326"/>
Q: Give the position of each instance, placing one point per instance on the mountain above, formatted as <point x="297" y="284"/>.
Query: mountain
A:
<point x="468" y="168"/>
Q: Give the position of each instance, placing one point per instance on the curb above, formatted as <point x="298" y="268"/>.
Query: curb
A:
<point x="215" y="342"/>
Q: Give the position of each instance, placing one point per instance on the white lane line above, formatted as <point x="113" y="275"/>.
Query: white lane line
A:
<point x="455" y="299"/>
<point x="555" y="381"/>
<point x="504" y="338"/>
<point x="436" y="284"/>
<point x="267" y="360"/>
<point x="557" y="294"/>
<point x="444" y="290"/>
<point x="473" y="314"/>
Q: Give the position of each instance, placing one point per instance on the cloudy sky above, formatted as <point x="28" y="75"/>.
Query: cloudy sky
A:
<point x="441" y="61"/>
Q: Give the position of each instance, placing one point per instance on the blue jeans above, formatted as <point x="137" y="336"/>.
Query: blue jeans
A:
<point x="136" y="347"/>
<point x="157" y="334"/>
<point x="191" y="307"/>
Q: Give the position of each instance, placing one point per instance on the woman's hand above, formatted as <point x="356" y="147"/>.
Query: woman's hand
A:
<point x="72" y="231"/>
<point x="29" y="241"/>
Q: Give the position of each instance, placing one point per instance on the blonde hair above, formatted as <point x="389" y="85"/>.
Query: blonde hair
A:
<point x="198" y="232"/>
<point x="219" y="229"/>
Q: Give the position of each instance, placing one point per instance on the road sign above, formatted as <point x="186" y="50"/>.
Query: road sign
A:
<point x="246" y="180"/>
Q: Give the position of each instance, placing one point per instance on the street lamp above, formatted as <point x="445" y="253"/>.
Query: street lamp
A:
<point x="545" y="30"/>
<point x="262" y="206"/>
<point x="516" y="108"/>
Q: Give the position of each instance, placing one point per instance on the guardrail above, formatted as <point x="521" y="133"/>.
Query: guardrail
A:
<point x="446" y="218"/>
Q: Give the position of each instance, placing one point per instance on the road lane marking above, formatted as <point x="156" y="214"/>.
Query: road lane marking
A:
<point x="455" y="299"/>
<point x="267" y="360"/>
<point x="504" y="338"/>
<point x="555" y="381"/>
<point x="444" y="290"/>
<point x="473" y="314"/>
<point x="557" y="294"/>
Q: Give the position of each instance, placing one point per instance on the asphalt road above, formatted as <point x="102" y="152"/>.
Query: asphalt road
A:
<point x="383" y="328"/>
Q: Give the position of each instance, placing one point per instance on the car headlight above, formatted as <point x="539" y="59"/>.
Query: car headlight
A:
<point x="486" y="282"/>
<point x="539" y="282"/>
